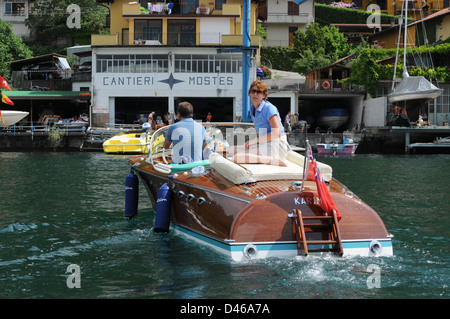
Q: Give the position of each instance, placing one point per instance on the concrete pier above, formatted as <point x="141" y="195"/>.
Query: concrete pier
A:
<point x="379" y="140"/>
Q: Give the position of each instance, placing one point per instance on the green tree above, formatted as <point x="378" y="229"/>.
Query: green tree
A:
<point x="311" y="60"/>
<point x="365" y="71"/>
<point x="11" y="48"/>
<point x="261" y="31"/>
<point x="316" y="36"/>
<point x="48" y="20"/>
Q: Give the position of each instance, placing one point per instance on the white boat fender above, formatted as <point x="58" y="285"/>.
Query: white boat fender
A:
<point x="163" y="205"/>
<point x="250" y="251"/>
<point x="131" y="194"/>
<point x="375" y="247"/>
<point x="163" y="168"/>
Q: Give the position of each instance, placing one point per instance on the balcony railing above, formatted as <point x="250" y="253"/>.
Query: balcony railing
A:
<point x="325" y="85"/>
<point x="308" y="86"/>
<point x="176" y="39"/>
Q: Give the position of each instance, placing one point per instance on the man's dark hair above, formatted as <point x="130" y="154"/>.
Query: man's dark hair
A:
<point x="186" y="110"/>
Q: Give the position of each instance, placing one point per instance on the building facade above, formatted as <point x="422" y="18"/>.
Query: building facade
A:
<point x="284" y="17"/>
<point x="15" y="12"/>
<point x="157" y="56"/>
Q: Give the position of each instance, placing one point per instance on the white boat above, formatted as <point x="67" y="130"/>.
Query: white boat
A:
<point x="445" y="140"/>
<point x="332" y="118"/>
<point x="414" y="88"/>
<point x="12" y="117"/>
<point x="73" y="125"/>
<point x="411" y="87"/>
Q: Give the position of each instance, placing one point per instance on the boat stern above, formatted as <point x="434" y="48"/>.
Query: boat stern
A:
<point x="268" y="228"/>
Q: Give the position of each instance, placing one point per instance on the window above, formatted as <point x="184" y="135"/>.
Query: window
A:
<point x="148" y="30"/>
<point x="130" y="63"/>
<point x="293" y="8"/>
<point x="218" y="4"/>
<point x="181" y="32"/>
<point x="383" y="4"/>
<point x="208" y="63"/>
<point x="189" y="6"/>
<point x="15" y="8"/>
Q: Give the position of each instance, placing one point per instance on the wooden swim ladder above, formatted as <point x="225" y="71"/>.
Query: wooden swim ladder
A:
<point x="316" y="226"/>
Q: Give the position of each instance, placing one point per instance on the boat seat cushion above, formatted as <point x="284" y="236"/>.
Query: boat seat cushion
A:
<point x="188" y="166"/>
<point x="228" y="169"/>
<point x="262" y="172"/>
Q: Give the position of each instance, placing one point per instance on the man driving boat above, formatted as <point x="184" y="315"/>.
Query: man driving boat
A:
<point x="187" y="136"/>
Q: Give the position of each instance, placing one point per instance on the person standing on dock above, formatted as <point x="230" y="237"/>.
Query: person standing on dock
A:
<point x="151" y="120"/>
<point x="187" y="136"/>
<point x="287" y="122"/>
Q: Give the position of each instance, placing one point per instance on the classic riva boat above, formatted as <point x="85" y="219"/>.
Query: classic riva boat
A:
<point x="251" y="211"/>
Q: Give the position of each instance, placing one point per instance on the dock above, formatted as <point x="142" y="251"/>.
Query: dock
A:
<point x="371" y="140"/>
<point x="414" y="146"/>
<point x="423" y="131"/>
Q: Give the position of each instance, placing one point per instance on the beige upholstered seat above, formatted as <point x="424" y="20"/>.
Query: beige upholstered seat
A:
<point x="242" y="173"/>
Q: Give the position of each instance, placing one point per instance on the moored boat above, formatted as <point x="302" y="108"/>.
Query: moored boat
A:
<point x="73" y="124"/>
<point x="11" y="117"/>
<point x="347" y="148"/>
<point x="332" y="118"/>
<point x="129" y="142"/>
<point x="251" y="211"/>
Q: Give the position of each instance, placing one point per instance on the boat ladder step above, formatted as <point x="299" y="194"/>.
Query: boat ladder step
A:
<point x="326" y="227"/>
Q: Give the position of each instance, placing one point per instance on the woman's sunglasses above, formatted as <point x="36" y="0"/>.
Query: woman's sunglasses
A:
<point x="256" y="91"/>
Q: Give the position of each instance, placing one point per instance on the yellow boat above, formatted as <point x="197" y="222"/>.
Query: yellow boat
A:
<point x="131" y="142"/>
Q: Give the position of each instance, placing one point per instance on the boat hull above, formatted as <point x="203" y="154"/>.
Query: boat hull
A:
<point x="239" y="252"/>
<point x="12" y="117"/>
<point x="332" y="118"/>
<point x="253" y="221"/>
<point x="127" y="143"/>
<point x="336" y="149"/>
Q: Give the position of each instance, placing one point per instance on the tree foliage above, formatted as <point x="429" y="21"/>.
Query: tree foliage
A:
<point x="310" y="60"/>
<point x="318" y="46"/>
<point x="365" y="70"/>
<point x="316" y="36"/>
<point x="11" y="48"/>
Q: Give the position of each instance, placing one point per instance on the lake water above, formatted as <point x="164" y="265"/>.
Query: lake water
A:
<point x="63" y="209"/>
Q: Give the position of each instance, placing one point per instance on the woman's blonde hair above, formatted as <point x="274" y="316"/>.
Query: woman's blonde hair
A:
<point x="261" y="86"/>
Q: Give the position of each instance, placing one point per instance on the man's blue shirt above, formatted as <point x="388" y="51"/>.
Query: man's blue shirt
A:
<point x="187" y="137"/>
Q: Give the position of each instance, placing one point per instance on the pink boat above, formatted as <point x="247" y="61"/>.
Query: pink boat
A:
<point x="336" y="149"/>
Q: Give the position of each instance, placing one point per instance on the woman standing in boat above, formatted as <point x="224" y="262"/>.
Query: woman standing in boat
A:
<point x="270" y="146"/>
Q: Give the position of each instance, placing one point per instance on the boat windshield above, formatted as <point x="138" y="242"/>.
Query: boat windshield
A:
<point x="220" y="136"/>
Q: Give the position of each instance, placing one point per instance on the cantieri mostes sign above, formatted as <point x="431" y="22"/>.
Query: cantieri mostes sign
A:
<point x="168" y="82"/>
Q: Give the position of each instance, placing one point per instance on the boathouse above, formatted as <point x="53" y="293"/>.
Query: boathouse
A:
<point x="158" y="55"/>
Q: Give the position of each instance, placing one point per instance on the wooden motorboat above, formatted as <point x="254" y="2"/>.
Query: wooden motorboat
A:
<point x="254" y="210"/>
